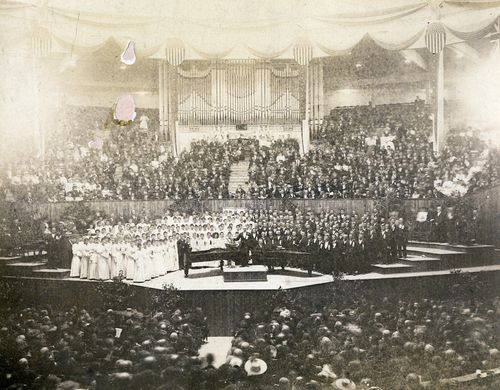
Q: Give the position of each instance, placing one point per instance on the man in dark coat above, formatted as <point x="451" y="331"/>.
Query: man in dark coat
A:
<point x="247" y="244"/>
<point x="52" y="243"/>
<point x="402" y="238"/>
<point x="392" y="238"/>
<point x="438" y="225"/>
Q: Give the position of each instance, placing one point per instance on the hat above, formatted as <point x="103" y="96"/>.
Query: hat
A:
<point x="255" y="366"/>
<point x="326" y="372"/>
<point x="344" y="384"/>
<point x="235" y="362"/>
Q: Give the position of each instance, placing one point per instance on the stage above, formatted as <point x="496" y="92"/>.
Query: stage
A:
<point x="431" y="269"/>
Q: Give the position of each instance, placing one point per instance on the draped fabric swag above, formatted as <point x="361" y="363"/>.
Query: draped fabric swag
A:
<point x="244" y="29"/>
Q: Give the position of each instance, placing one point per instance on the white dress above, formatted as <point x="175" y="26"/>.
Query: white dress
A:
<point x="103" y="262"/>
<point x="148" y="267"/>
<point x="94" y="257"/>
<point x="76" y="261"/>
<point x="139" y="271"/>
<point x="116" y="260"/>
<point x="130" y="261"/>
<point x="84" y="261"/>
<point x="175" y="255"/>
<point x="165" y="257"/>
<point x="158" y="256"/>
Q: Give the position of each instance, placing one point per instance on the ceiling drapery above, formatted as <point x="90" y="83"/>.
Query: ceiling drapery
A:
<point x="261" y="29"/>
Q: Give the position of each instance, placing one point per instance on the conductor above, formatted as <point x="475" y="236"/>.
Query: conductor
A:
<point x="247" y="243"/>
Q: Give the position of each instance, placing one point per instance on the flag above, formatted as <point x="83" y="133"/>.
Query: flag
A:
<point x="435" y="37"/>
<point x="494" y="38"/>
<point x="175" y="52"/>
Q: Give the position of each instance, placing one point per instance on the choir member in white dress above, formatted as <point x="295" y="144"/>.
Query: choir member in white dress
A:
<point x="148" y="261"/>
<point x="130" y="253"/>
<point x="164" y="255"/>
<point x="93" y="258"/>
<point x="158" y="258"/>
<point x="104" y="251"/>
<point x="139" y="271"/>
<point x="116" y="259"/>
<point x="84" y="261"/>
<point x="76" y="260"/>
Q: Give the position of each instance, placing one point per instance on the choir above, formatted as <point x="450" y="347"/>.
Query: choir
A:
<point x="143" y="251"/>
<point x="103" y="258"/>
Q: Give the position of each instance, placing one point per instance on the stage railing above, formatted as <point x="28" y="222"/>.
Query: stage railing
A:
<point x="152" y="208"/>
<point x="486" y="201"/>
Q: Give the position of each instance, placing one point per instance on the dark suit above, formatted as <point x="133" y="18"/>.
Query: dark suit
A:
<point x="438" y="233"/>
<point x="52" y="243"/>
<point x="392" y="238"/>
<point x="402" y="240"/>
<point x="247" y="243"/>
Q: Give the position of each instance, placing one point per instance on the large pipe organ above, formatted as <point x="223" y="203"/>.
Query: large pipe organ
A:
<point x="239" y="91"/>
<point x="207" y="96"/>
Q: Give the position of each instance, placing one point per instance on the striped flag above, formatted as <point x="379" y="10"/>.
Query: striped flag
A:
<point x="303" y="53"/>
<point x="175" y="52"/>
<point x="41" y="42"/>
<point x="494" y="38"/>
<point x="435" y="37"/>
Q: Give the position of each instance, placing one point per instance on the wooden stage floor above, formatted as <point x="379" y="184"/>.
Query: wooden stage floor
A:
<point x="212" y="279"/>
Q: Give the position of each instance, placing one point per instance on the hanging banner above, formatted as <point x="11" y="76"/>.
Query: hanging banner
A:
<point x="303" y="53"/>
<point x="175" y="52"/>
<point x="435" y="37"/>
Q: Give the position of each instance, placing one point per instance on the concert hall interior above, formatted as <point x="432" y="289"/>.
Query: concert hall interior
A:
<point x="235" y="194"/>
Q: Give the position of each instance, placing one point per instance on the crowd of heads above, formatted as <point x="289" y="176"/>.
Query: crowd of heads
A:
<point x="46" y="348"/>
<point x="362" y="152"/>
<point x="375" y="152"/>
<point x="348" y="339"/>
<point x="391" y="343"/>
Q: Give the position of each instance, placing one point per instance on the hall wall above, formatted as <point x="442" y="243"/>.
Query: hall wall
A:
<point x="377" y="95"/>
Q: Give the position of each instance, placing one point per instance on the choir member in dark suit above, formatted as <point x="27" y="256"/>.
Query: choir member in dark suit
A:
<point x="52" y="243"/>
<point x="185" y="252"/>
<point x="402" y="238"/>
<point x="360" y="254"/>
<point x="438" y="225"/>
<point x="392" y="238"/>
<point x="451" y="222"/>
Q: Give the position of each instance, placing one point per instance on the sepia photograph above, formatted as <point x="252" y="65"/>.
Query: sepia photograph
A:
<point x="249" y="194"/>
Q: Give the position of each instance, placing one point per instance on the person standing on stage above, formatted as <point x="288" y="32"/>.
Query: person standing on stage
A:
<point x="52" y="243"/>
<point x="402" y="238"/>
<point x="246" y="245"/>
<point x="77" y="259"/>
<point x="84" y="261"/>
<point x="392" y="239"/>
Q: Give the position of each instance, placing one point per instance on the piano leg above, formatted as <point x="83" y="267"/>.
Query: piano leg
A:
<point x="187" y="265"/>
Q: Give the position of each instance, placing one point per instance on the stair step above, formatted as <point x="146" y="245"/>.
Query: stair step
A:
<point x="23" y="268"/>
<point x="444" y="245"/>
<point x="53" y="273"/>
<point x="434" y="251"/>
<point x="424" y="263"/>
<point x="392" y="268"/>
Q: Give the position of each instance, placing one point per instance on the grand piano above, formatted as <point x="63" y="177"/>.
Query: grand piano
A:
<point x="276" y="257"/>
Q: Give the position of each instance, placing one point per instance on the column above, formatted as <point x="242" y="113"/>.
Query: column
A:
<point x="439" y="134"/>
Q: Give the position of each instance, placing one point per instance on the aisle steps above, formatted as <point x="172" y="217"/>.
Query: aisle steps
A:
<point x="239" y="176"/>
